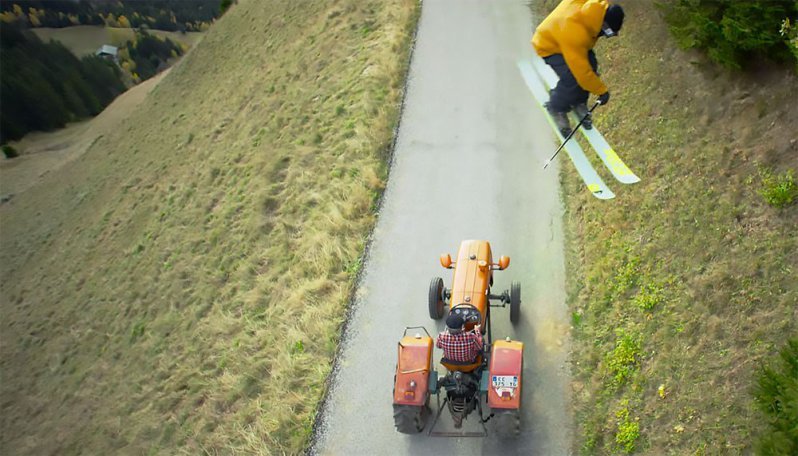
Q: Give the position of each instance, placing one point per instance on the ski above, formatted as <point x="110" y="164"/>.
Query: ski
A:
<point x="586" y="171"/>
<point x="611" y="160"/>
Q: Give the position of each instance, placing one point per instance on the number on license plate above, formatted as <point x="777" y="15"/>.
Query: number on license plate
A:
<point x="505" y="381"/>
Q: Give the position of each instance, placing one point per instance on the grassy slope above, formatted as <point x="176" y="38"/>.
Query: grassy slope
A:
<point x="685" y="283"/>
<point x="180" y="288"/>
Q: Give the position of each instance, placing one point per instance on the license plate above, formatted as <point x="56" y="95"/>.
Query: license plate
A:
<point x="505" y="381"/>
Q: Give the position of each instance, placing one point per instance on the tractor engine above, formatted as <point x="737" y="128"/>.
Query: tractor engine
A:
<point x="461" y="390"/>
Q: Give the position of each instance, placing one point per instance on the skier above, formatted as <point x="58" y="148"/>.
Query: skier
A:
<point x="565" y="41"/>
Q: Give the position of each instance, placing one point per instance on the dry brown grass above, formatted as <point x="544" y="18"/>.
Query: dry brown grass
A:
<point x="691" y="260"/>
<point x="180" y="287"/>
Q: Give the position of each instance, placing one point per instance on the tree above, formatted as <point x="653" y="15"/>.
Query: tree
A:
<point x="110" y="21"/>
<point x="225" y="5"/>
<point x="160" y="14"/>
<point x="776" y="393"/>
<point x="731" y="31"/>
<point x="48" y="86"/>
<point x="34" y="19"/>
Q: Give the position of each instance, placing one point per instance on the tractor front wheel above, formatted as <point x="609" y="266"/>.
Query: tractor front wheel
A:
<point x="508" y="423"/>
<point x="515" y="302"/>
<point x="410" y="419"/>
<point x="436" y="298"/>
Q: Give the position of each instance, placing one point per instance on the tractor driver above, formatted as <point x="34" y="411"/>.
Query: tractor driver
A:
<point x="457" y="344"/>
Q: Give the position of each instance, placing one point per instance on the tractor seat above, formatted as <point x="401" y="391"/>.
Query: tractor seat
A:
<point x="462" y="366"/>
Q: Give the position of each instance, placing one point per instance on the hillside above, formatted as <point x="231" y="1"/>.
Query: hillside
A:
<point x="44" y="152"/>
<point x="685" y="284"/>
<point x="179" y="287"/>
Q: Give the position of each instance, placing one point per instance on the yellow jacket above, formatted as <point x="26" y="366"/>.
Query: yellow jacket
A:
<point x="572" y="30"/>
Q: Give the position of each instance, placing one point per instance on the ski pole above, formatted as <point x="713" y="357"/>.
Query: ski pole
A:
<point x="571" y="134"/>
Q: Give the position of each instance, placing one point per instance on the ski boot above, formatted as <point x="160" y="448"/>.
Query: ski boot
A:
<point x="581" y="111"/>
<point x="561" y="120"/>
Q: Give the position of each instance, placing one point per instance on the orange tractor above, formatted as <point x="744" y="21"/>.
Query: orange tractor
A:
<point x="493" y="378"/>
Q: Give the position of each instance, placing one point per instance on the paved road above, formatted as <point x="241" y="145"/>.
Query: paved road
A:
<point x="467" y="166"/>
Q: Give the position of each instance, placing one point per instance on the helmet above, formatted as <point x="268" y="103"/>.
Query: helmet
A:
<point x="454" y="322"/>
<point x="613" y="21"/>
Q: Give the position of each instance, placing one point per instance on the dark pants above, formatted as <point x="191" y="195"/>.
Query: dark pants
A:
<point x="567" y="93"/>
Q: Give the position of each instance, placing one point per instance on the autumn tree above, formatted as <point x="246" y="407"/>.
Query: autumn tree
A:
<point x="33" y="17"/>
<point x="110" y="20"/>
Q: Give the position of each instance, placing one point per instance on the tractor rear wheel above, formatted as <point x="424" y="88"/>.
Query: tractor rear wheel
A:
<point x="515" y="302"/>
<point x="508" y="423"/>
<point x="436" y="298"/>
<point x="410" y="419"/>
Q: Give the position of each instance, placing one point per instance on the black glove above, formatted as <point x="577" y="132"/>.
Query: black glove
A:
<point x="604" y="98"/>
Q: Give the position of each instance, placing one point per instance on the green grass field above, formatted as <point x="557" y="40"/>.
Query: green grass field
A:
<point x="682" y="286"/>
<point x="180" y="288"/>
<point x="86" y="39"/>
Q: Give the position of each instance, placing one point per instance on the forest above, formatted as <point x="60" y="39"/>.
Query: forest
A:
<point x="146" y="55"/>
<point x="44" y="86"/>
<point x="194" y="15"/>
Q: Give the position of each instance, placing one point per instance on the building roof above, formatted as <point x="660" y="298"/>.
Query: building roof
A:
<point x="107" y="50"/>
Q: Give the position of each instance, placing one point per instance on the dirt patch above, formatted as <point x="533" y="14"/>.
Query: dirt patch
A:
<point x="44" y="152"/>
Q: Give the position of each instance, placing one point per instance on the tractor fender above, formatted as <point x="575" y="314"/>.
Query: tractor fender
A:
<point x="505" y="371"/>
<point x="413" y="370"/>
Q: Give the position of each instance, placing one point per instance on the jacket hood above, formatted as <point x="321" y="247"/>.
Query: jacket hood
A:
<point x="591" y="15"/>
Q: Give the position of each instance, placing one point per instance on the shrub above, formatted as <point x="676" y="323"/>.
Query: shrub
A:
<point x="790" y="33"/>
<point x="10" y="152"/>
<point x="776" y="394"/>
<point x="626" y="277"/>
<point x="628" y="429"/>
<point x="730" y="31"/>
<point x="224" y="5"/>
<point x="622" y="361"/>
<point x="779" y="190"/>
<point x="650" y="296"/>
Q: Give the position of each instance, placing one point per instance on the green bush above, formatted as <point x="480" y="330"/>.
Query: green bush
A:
<point x="622" y="362"/>
<point x="628" y="430"/>
<point x="10" y="152"/>
<point x="789" y="31"/>
<point x="776" y="394"/>
<point x="779" y="190"/>
<point x="731" y="31"/>
<point x="649" y="297"/>
<point x="225" y="5"/>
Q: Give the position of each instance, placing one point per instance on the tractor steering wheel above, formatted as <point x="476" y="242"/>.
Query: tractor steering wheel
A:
<point x="469" y="313"/>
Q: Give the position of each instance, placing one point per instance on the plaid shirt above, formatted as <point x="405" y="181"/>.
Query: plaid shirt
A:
<point x="463" y="347"/>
